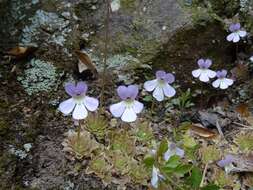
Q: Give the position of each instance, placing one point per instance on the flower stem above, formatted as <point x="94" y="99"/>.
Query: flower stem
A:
<point x="102" y="99"/>
<point x="152" y="106"/>
<point x="236" y="51"/>
<point x="204" y="175"/>
<point x="201" y="97"/>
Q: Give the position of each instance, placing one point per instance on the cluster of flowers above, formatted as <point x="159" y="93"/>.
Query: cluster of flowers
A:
<point x="127" y="109"/>
<point x="205" y="74"/>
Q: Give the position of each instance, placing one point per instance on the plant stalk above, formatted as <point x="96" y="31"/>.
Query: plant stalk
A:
<point x="107" y="18"/>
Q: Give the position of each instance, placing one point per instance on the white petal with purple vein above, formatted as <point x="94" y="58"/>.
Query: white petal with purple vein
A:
<point x="154" y="179"/>
<point x="80" y="112"/>
<point x="137" y="106"/>
<point x="216" y="83"/>
<point x="158" y="94"/>
<point x="117" y="109"/>
<point x="91" y="103"/>
<point x="204" y="77"/>
<point x="67" y="106"/>
<point x="150" y="85"/>
<point x="196" y="73"/>
<point x="168" y="90"/>
<point x="129" y="115"/>
<point x="236" y="38"/>
<point x="211" y="74"/>
<point x="230" y="37"/>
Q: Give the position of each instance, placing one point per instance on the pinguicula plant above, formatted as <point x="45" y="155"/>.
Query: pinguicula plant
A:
<point x="79" y="102"/>
<point x="161" y="85"/>
<point x="203" y="73"/>
<point x="129" y="107"/>
<point x="236" y="33"/>
<point x="222" y="82"/>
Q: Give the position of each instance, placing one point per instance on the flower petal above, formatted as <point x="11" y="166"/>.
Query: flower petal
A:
<point x="236" y="38"/>
<point x="230" y="37"/>
<point x="129" y="115"/>
<point x="228" y="81"/>
<point x="201" y="63"/>
<point x="122" y="92"/>
<point x="150" y="85"/>
<point x="81" y="88"/>
<point x="137" y="106"/>
<point x="168" y="154"/>
<point x="211" y="74"/>
<point x="180" y="152"/>
<point x="160" y="74"/>
<point x="216" y="83"/>
<point x="204" y="77"/>
<point x="196" y="73"/>
<point x="242" y="33"/>
<point x="154" y="179"/>
<point x="70" y="88"/>
<point x="208" y="63"/>
<point x="91" y="103"/>
<point x="158" y="94"/>
<point x="168" y="90"/>
<point x="67" y="106"/>
<point x="80" y="112"/>
<point x="117" y="109"/>
<point x="223" y="84"/>
<point x="132" y="91"/>
<point x="169" y="78"/>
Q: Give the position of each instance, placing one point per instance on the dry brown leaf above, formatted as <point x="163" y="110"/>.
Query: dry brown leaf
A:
<point x="243" y="163"/>
<point x="85" y="63"/>
<point x="243" y="110"/>
<point x="240" y="72"/>
<point x="199" y="130"/>
<point x="21" y="52"/>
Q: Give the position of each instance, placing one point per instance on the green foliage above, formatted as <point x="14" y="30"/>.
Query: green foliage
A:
<point x="123" y="141"/>
<point x="245" y="141"/>
<point x="195" y="179"/>
<point x="184" y="101"/>
<point x="97" y="125"/>
<point x="210" y="154"/>
<point x="144" y="133"/>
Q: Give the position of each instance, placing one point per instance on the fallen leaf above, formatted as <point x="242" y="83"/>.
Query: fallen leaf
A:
<point x="20" y="52"/>
<point x="243" y="163"/>
<point x="199" y="130"/>
<point x="243" y="110"/>
<point x="85" y="63"/>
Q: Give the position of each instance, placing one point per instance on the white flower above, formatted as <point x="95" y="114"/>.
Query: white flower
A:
<point x="79" y="103"/>
<point x="156" y="176"/>
<point x="222" y="82"/>
<point x="173" y="150"/>
<point x="236" y="34"/>
<point x="251" y="58"/>
<point x="128" y="108"/>
<point x="204" y="73"/>
<point x="160" y="86"/>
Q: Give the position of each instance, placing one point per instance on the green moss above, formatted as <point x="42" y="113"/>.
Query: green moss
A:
<point x="128" y="4"/>
<point x="245" y="141"/>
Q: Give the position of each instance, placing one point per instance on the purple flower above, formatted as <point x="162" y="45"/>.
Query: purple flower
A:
<point x="204" y="73"/>
<point x="128" y="107"/>
<point x="226" y="161"/>
<point x="160" y="86"/>
<point x="173" y="150"/>
<point x="237" y="32"/>
<point x="79" y="103"/>
<point x="222" y="82"/>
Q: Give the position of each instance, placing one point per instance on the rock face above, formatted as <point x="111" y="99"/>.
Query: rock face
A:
<point x="59" y="27"/>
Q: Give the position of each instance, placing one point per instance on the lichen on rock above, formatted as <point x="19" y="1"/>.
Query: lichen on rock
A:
<point x="40" y="76"/>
